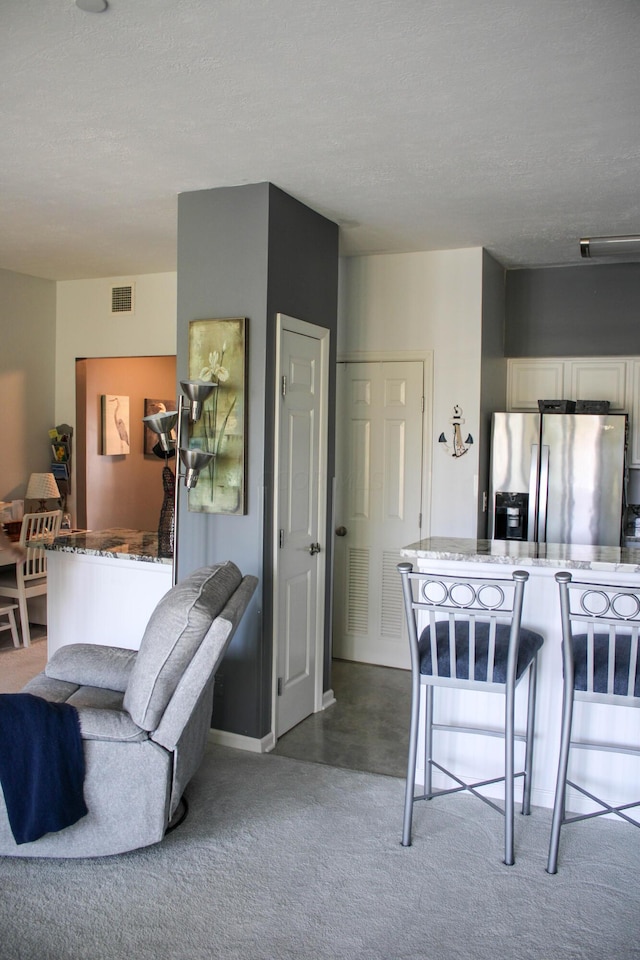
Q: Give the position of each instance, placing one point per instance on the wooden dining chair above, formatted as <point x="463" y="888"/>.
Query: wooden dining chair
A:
<point x="28" y="577"/>
<point x="8" y="611"/>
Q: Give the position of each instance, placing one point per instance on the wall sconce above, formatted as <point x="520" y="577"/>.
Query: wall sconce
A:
<point x="619" y="247"/>
<point x="190" y="403"/>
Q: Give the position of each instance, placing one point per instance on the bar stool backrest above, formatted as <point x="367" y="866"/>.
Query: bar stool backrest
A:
<point x="465" y="615"/>
<point x="600" y="631"/>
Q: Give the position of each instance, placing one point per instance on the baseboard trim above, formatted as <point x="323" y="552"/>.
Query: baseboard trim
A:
<point x="239" y="742"/>
<point x="328" y="699"/>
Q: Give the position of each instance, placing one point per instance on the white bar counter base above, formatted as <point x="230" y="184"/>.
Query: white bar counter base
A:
<point x="608" y="775"/>
<point x="103" y="586"/>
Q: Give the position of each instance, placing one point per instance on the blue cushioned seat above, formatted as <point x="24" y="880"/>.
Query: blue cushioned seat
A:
<point x="530" y="643"/>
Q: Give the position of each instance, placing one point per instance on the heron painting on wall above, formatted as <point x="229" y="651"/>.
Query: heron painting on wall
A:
<point x="115" y="425"/>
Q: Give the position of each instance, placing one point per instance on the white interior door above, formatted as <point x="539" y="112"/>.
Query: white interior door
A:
<point x="300" y="517"/>
<point x="379" y="489"/>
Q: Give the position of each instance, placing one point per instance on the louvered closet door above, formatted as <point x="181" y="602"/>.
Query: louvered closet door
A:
<point x="378" y="503"/>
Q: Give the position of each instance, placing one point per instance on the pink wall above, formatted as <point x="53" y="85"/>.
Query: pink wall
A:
<point x="123" y="490"/>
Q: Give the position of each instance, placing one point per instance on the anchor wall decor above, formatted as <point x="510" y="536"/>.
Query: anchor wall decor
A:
<point x="457" y="448"/>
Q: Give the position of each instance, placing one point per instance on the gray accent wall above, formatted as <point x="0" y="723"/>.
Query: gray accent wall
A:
<point x="251" y="251"/>
<point x="588" y="310"/>
<point x="303" y="283"/>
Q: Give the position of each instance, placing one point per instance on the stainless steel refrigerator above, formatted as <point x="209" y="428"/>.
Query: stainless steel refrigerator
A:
<point x="557" y="477"/>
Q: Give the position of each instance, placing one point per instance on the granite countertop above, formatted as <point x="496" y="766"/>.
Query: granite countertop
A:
<point x="117" y="543"/>
<point x="525" y="554"/>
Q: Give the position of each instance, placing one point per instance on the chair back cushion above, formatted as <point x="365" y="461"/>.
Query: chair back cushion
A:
<point x="174" y="633"/>
<point x="592" y="668"/>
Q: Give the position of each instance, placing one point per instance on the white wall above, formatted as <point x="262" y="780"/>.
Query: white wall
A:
<point x="85" y="327"/>
<point x="426" y="302"/>
<point x="412" y="302"/>
<point x="27" y="387"/>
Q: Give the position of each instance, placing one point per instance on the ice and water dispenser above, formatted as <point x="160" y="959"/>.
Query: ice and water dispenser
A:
<point x="512" y="516"/>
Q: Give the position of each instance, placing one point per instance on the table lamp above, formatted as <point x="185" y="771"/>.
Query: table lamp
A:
<point x="42" y="486"/>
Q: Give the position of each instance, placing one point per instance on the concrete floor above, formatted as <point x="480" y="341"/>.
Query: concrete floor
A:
<point x="366" y="729"/>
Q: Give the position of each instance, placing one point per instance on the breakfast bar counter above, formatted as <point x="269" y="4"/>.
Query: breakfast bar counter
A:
<point x="541" y="612"/>
<point x="577" y="558"/>
<point x="102" y="586"/>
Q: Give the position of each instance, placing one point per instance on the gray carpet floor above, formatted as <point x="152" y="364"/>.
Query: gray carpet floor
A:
<point x="19" y="664"/>
<point x="280" y="858"/>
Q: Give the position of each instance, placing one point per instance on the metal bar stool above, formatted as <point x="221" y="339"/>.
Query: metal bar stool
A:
<point x="473" y="640"/>
<point x="600" y="628"/>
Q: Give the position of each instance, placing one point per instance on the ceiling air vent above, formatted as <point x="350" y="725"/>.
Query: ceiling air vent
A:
<point x="122" y="299"/>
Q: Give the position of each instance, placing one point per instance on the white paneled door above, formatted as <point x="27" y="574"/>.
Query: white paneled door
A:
<point x="379" y="487"/>
<point x="300" y="549"/>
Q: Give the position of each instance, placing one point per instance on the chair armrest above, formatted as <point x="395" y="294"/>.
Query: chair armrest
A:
<point x="92" y="665"/>
<point x="104" y="724"/>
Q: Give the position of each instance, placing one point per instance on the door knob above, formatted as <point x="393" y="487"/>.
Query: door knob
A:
<point x="314" y="548"/>
<point x="341" y="531"/>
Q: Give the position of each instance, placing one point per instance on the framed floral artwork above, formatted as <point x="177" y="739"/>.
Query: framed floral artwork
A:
<point x="218" y="354"/>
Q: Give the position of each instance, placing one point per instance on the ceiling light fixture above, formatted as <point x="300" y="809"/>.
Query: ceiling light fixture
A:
<point x="619" y="247"/>
<point x="92" y="6"/>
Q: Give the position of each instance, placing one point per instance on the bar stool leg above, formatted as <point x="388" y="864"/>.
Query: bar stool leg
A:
<point x="528" y="756"/>
<point x="561" y="782"/>
<point x="509" y="731"/>
<point x="428" y="741"/>
<point x="411" y="762"/>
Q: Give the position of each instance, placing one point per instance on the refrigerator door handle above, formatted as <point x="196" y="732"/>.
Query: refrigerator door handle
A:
<point x="533" y="492"/>
<point x="544" y="493"/>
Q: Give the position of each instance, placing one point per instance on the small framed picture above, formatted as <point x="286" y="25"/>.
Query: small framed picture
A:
<point x="151" y="407"/>
<point x="115" y="425"/>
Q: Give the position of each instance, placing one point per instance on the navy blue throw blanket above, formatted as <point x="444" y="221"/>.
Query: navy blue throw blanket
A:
<point x="41" y="765"/>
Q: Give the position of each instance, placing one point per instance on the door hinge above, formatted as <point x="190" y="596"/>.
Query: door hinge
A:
<point x="281" y="538"/>
<point x="284" y="386"/>
<point x="422" y="404"/>
<point x="420" y="521"/>
<point x="279" y="686"/>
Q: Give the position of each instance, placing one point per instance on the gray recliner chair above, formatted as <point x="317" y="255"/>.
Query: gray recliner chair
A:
<point x="144" y="716"/>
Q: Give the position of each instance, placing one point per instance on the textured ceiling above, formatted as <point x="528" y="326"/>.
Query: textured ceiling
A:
<point x="414" y="124"/>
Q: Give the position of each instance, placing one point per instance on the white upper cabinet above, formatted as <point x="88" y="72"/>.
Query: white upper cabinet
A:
<point x="616" y="379"/>
<point x="531" y="380"/>
<point x="599" y="380"/>
<point x="583" y="378"/>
